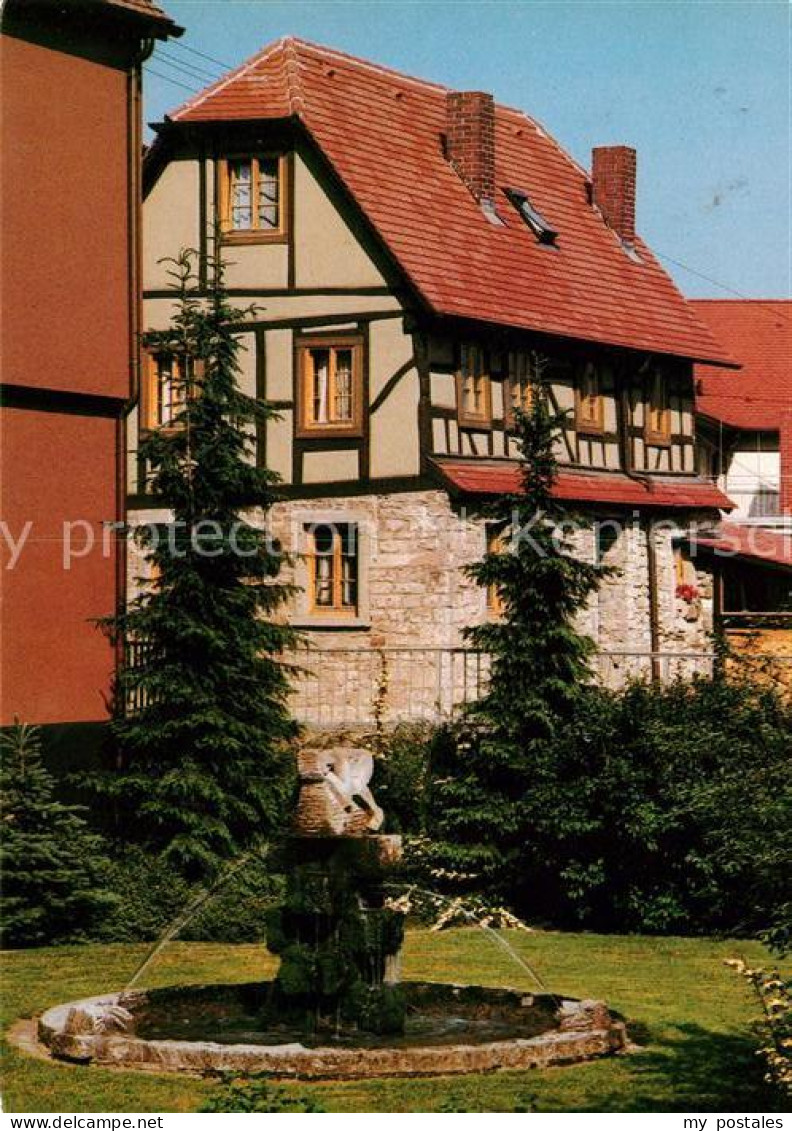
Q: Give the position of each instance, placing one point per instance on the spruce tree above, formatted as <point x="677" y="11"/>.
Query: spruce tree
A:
<point x="488" y="770"/>
<point x="203" y="724"/>
<point x="50" y="862"/>
<point x="539" y="656"/>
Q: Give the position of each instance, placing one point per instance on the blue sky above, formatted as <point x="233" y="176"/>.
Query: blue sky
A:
<point x="700" y="87"/>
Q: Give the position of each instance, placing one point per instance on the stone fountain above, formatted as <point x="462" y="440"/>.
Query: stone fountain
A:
<point x="338" y="940"/>
<point x="337" y="1007"/>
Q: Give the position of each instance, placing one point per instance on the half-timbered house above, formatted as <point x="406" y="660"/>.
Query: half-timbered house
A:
<point x="413" y="253"/>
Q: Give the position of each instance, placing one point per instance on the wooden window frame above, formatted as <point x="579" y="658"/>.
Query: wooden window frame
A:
<point x="337" y="609"/>
<point x="223" y="197"/>
<point x="589" y="423"/>
<point x="658" y="437"/>
<point x="509" y="383"/>
<point x="467" y="419"/>
<point x="306" y="428"/>
<point x="497" y="536"/>
<point x="149" y="395"/>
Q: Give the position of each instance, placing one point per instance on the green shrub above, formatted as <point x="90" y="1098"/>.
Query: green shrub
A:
<point x="51" y="862"/>
<point x="707" y="827"/>
<point x="400" y="775"/>
<point x="778" y="932"/>
<point x="257" y="1094"/>
<point x="150" y="894"/>
<point x="663" y="808"/>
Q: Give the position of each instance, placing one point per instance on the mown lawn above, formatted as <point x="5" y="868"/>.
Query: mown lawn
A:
<point x="690" y="1015"/>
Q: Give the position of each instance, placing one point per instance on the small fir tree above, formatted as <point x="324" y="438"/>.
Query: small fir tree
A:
<point x="50" y="862"/>
<point x="205" y="754"/>
<point x="486" y="769"/>
<point x="539" y="656"/>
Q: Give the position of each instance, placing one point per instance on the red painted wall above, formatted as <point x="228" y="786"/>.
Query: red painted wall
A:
<point x="63" y="195"/>
<point x="55" y="666"/>
<point x="66" y="295"/>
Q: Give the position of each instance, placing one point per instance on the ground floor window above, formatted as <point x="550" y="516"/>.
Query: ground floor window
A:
<point x="333" y="568"/>
<point x="751" y="589"/>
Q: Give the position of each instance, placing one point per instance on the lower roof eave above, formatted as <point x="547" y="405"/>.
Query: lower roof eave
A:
<point x="489" y="478"/>
<point x="569" y="337"/>
<point x="753" y="545"/>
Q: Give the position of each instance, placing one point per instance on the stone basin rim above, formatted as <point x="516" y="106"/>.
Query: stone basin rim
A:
<point x="554" y="1046"/>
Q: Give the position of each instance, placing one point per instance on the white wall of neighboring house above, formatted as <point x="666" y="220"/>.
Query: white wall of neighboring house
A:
<point x="752" y="480"/>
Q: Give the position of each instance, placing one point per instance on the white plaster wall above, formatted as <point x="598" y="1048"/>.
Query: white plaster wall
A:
<point x="170" y="220"/>
<point x="327" y="251"/>
<point x="395" y="445"/>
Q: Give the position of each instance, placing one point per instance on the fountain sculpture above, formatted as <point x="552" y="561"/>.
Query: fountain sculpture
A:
<point x="337" y="1007"/>
<point x="337" y="939"/>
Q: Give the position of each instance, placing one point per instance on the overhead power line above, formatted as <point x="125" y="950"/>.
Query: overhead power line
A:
<point x="200" y="54"/>
<point x="709" y="279"/>
<point x="700" y="274"/>
<point x="175" y="82"/>
<point x="185" y="68"/>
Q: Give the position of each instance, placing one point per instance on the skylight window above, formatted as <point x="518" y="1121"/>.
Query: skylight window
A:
<point x="540" y="227"/>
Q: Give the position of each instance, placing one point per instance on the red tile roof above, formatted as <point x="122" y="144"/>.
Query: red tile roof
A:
<point x="501" y="477"/>
<point x="754" y="543"/>
<point x="382" y="132"/>
<point x="757" y="333"/>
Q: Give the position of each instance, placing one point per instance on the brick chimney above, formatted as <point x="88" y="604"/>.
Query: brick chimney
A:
<point x="785" y="477"/>
<point x="613" y="180"/>
<point x="470" y="140"/>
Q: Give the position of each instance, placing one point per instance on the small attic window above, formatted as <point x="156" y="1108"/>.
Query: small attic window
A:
<point x="544" y="232"/>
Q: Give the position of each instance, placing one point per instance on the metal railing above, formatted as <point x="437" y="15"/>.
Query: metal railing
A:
<point x="616" y="668"/>
<point x="339" y="687"/>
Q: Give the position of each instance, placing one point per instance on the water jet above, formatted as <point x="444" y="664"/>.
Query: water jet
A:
<point x="337" y="1007"/>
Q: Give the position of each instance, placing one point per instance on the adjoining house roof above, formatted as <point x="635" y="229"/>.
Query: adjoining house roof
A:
<point x="383" y="133"/>
<point x="758" y="333"/>
<point x="141" y="18"/>
<point x="500" y="477"/>
<point x="147" y="9"/>
<point x="750" y="543"/>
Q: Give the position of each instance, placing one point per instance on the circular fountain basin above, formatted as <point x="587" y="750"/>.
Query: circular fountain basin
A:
<point x="210" y="1028"/>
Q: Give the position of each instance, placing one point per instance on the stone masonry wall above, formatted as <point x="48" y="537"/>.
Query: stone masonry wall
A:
<point x="415" y="601"/>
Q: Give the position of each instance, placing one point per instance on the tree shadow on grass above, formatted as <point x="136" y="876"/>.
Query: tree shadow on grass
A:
<point x="694" y="1069"/>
